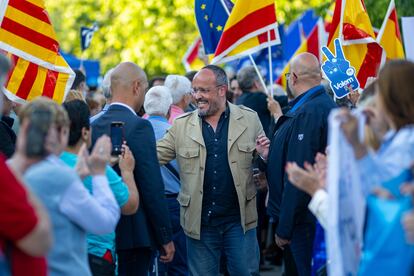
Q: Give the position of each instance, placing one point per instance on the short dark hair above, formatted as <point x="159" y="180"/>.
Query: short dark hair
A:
<point x="190" y="75"/>
<point x="221" y="76"/>
<point x="78" y="112"/>
<point x="154" y="79"/>
<point x="79" y="78"/>
<point x="246" y="78"/>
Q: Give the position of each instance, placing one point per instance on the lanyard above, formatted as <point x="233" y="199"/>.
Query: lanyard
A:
<point x="307" y="95"/>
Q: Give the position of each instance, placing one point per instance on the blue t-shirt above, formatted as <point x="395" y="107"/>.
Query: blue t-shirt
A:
<point x="99" y="244"/>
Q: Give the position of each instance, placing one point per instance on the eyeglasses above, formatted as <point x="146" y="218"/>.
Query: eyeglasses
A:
<point x="201" y="90"/>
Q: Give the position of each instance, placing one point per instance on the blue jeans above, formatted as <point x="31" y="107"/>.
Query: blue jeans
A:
<point x="301" y="246"/>
<point x="178" y="266"/>
<point x="204" y="254"/>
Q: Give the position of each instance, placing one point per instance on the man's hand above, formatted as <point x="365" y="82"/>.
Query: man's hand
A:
<point x="274" y="108"/>
<point x="281" y="243"/>
<point x="168" y="252"/>
<point x="262" y="146"/>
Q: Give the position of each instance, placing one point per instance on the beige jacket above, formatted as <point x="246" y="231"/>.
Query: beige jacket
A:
<point x="184" y="141"/>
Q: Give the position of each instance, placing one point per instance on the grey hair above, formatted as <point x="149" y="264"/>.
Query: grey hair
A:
<point x="158" y="101"/>
<point x="179" y="87"/>
<point x="106" y="84"/>
<point x="246" y="78"/>
<point x="219" y="73"/>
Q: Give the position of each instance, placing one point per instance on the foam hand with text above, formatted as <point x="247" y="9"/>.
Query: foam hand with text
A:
<point x="338" y="71"/>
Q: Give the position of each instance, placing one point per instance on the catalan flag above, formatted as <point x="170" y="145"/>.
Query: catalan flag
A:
<point x="191" y="59"/>
<point x="389" y="36"/>
<point x="251" y="26"/>
<point x="312" y="44"/>
<point x="351" y="24"/>
<point x="28" y="38"/>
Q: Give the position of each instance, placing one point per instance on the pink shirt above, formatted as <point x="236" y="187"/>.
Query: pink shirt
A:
<point x="174" y="113"/>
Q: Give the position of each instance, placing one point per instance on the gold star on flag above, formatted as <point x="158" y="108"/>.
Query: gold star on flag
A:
<point x="219" y="28"/>
<point x="206" y="17"/>
<point x="211" y="25"/>
<point x="203" y="6"/>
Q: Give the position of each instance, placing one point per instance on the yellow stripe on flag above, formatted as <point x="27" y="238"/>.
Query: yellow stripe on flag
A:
<point x="30" y="22"/>
<point x="60" y="87"/>
<point x="356" y="15"/>
<point x="37" y="88"/>
<point x="39" y="3"/>
<point x="17" y="75"/>
<point x="391" y="44"/>
<point x="248" y="8"/>
<point x="29" y="47"/>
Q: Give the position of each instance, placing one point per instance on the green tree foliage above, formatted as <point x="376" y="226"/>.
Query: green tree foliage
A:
<point x="156" y="33"/>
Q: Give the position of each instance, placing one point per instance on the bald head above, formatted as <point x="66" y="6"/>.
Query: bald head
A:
<point x="125" y="74"/>
<point x="128" y="84"/>
<point x="306" y="64"/>
<point x="305" y="73"/>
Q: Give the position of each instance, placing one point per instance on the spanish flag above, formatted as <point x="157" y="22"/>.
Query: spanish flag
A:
<point x="28" y="39"/>
<point x="312" y="44"/>
<point x="389" y="36"/>
<point x="351" y="24"/>
<point x="251" y="26"/>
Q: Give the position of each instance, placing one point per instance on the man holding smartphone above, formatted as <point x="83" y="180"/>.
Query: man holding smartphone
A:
<point x="148" y="229"/>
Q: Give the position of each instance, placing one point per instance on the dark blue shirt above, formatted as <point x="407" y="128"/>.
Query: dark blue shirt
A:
<point x="220" y="202"/>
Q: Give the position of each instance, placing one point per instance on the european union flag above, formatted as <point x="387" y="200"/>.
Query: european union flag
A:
<point x="211" y="16"/>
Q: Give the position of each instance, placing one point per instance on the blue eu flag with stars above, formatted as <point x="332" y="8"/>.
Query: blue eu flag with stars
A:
<point x="211" y="16"/>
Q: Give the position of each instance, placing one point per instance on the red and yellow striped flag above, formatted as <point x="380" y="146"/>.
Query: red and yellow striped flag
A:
<point x="312" y="44"/>
<point x="389" y="36"/>
<point x="251" y="26"/>
<point x="191" y="59"/>
<point x="351" y="24"/>
<point x="28" y="38"/>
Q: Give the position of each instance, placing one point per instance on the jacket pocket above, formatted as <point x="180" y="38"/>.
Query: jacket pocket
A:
<point x="251" y="211"/>
<point x="246" y="151"/>
<point x="184" y="201"/>
<point x="187" y="159"/>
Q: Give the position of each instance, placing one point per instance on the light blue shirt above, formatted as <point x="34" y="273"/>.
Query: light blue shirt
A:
<point x="171" y="182"/>
<point x="395" y="155"/>
<point x="99" y="244"/>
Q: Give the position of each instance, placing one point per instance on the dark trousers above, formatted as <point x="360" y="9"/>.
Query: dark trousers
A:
<point x="134" y="262"/>
<point x="100" y="266"/>
<point x="301" y="247"/>
<point x="178" y="266"/>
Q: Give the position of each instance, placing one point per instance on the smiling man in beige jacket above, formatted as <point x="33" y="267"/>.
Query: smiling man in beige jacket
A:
<point x="214" y="147"/>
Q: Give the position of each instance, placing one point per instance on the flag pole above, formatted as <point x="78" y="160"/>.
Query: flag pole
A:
<point x="270" y="64"/>
<point x="250" y="56"/>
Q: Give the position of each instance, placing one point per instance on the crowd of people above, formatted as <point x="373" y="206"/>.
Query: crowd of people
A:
<point x="209" y="167"/>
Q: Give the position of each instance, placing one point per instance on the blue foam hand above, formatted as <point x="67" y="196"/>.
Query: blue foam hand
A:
<point x="338" y="71"/>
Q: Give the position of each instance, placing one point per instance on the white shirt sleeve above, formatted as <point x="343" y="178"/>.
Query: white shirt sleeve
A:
<point x="319" y="207"/>
<point x="97" y="213"/>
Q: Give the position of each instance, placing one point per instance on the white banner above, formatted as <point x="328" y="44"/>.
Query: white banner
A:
<point x="346" y="204"/>
<point x="408" y="35"/>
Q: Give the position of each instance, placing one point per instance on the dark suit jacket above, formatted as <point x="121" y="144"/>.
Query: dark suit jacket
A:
<point x="299" y="136"/>
<point x="150" y="226"/>
<point x="7" y="136"/>
<point x="258" y="102"/>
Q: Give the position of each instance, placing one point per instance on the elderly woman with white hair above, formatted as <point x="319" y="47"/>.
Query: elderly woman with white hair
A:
<point x="180" y="88"/>
<point x="158" y="105"/>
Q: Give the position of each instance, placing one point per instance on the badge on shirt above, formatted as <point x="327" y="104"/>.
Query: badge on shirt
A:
<point x="300" y="136"/>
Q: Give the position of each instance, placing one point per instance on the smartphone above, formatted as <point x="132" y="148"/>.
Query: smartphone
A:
<point x="37" y="131"/>
<point x="117" y="137"/>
